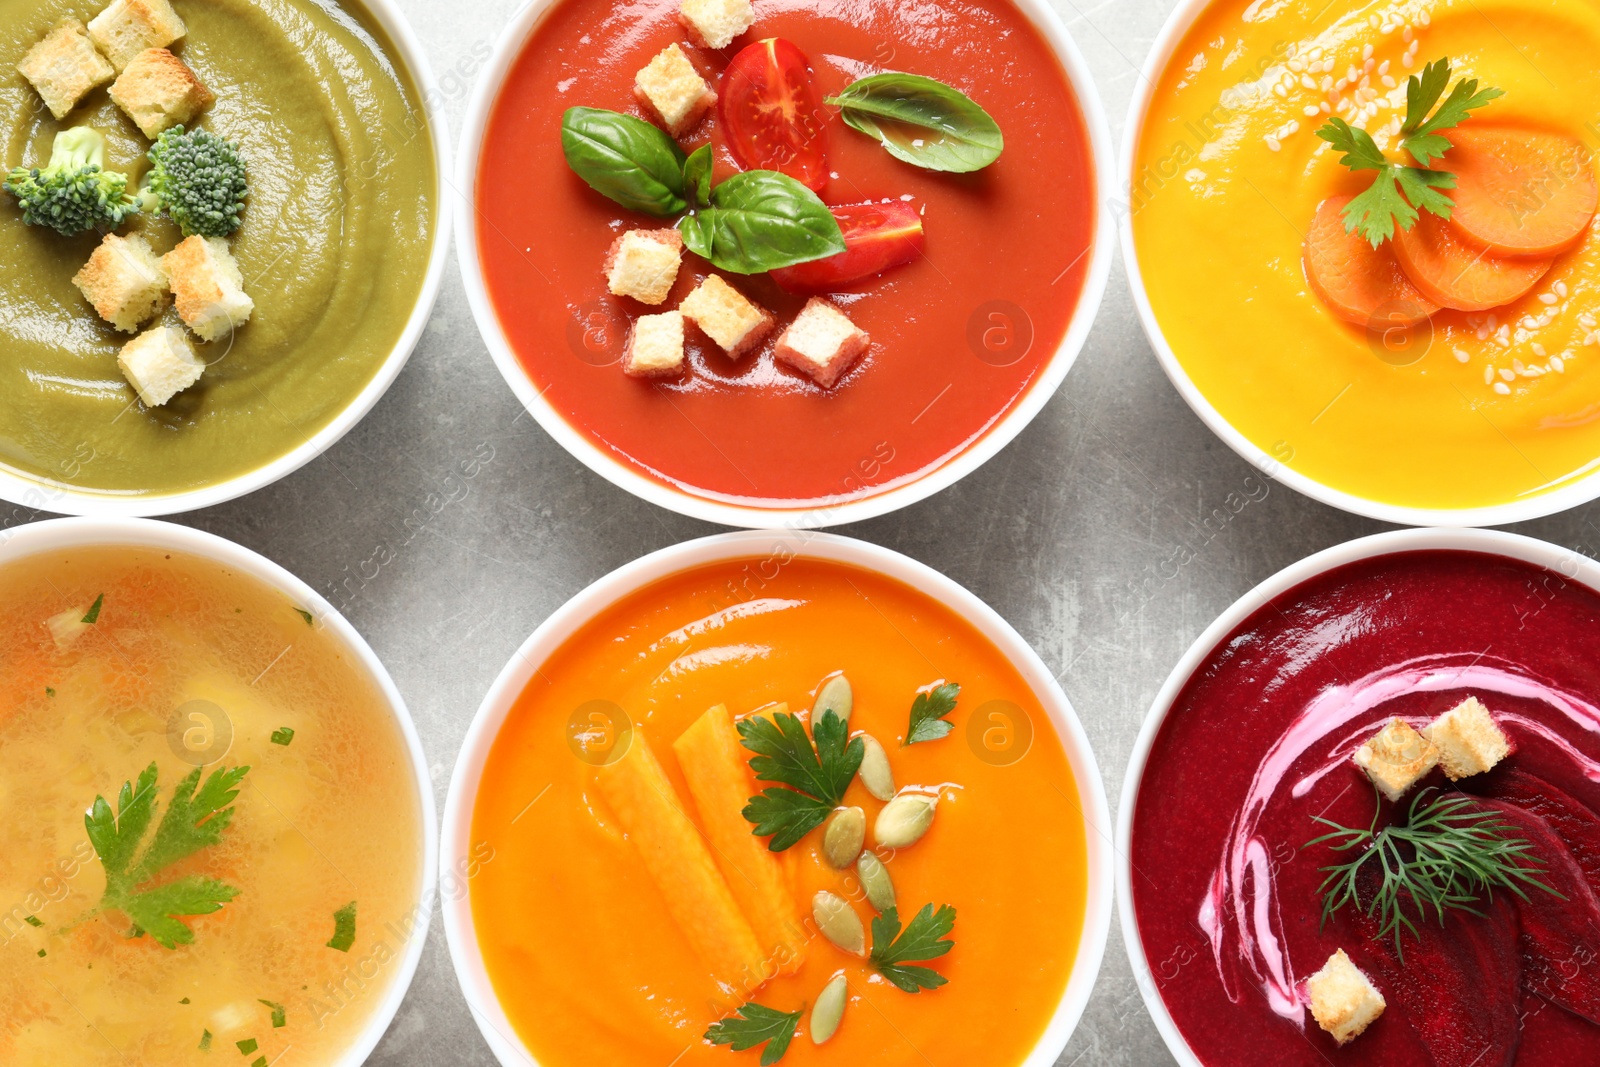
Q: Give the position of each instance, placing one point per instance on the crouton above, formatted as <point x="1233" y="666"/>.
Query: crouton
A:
<point x="1469" y="740"/>
<point x="158" y="91"/>
<point x="125" y="282"/>
<point x="129" y="27"/>
<point x="724" y="315"/>
<point x="715" y="23"/>
<point x="160" y="363"/>
<point x="1396" y="758"/>
<point x="670" y="88"/>
<point x="821" y="342"/>
<point x="644" y="264"/>
<point x="209" y="289"/>
<point x="1343" y="1000"/>
<point x="64" y="67"/>
<point x="655" y="350"/>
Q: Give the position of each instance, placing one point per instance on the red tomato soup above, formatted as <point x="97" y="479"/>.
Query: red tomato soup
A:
<point x="958" y="336"/>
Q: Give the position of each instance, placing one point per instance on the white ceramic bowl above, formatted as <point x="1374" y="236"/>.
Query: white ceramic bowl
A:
<point x="1571" y="565"/>
<point x="54" y="535"/>
<point x="804" y="515"/>
<point x="39" y="495"/>
<point x="458" y="922"/>
<point x="1533" y="507"/>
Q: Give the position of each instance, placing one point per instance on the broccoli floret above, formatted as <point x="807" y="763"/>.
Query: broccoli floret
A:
<point x="75" y="192"/>
<point x="199" y="181"/>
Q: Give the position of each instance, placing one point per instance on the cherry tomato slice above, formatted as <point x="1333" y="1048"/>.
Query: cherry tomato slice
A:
<point x="770" y="113"/>
<point x="877" y="237"/>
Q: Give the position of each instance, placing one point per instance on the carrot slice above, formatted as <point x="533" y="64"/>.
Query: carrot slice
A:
<point x="1520" y="192"/>
<point x="719" y="780"/>
<point x="1356" y="281"/>
<point x="1453" y="274"/>
<point x="676" y="857"/>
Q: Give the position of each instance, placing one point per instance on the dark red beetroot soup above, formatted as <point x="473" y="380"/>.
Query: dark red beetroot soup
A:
<point x="1227" y="895"/>
<point x="1016" y="232"/>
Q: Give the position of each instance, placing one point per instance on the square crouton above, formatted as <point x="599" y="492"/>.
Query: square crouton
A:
<point x="129" y="27"/>
<point x="1396" y="758"/>
<point x="821" y="342"/>
<point x="1343" y="1000"/>
<point x="715" y="23"/>
<point x="64" y="67"/>
<point x="724" y="315"/>
<point x="208" y="286"/>
<point x="673" y="91"/>
<point x="655" y="350"/>
<point x="644" y="264"/>
<point x="1469" y="740"/>
<point x="125" y="282"/>
<point x="158" y="91"/>
<point x="160" y="363"/>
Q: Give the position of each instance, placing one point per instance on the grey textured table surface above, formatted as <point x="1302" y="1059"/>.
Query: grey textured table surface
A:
<point x="1102" y="533"/>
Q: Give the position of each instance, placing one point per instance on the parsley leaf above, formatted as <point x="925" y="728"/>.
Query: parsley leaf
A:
<point x="93" y="615"/>
<point x="818" y="776"/>
<point x="928" y="712"/>
<point x="283" y="735"/>
<point x="193" y="821"/>
<point x="280" y="1017"/>
<point x="1399" y="193"/>
<point x="344" y="928"/>
<point x="753" y="1024"/>
<point x="1420" y="133"/>
<point x="921" y="940"/>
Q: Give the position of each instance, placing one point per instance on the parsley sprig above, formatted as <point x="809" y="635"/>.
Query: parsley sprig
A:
<point x="1447" y="855"/>
<point x="1400" y="191"/>
<point x="817" y="774"/>
<point x="754" y="1024"/>
<point x="194" y="820"/>
<point x="928" y="711"/>
<point x="894" y="950"/>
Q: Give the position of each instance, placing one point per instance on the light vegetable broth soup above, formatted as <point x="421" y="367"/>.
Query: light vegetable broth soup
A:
<point x="186" y="662"/>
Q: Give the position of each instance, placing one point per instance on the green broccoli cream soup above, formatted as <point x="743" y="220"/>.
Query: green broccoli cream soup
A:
<point x="333" y="247"/>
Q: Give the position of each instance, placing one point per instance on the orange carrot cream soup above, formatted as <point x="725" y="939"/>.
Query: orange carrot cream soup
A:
<point x="1390" y="204"/>
<point x="816" y="812"/>
<point x="211" y="848"/>
<point x="713" y="229"/>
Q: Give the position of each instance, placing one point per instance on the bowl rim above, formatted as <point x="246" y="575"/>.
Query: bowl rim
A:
<point x="804" y="514"/>
<point x="40" y="494"/>
<point x="53" y="535"/>
<point x="1570" y="563"/>
<point x="1537" y="505"/>
<point x="778" y="545"/>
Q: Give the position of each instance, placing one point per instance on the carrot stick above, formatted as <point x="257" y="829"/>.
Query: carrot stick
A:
<point x="1357" y="282"/>
<point x="1453" y="274"/>
<point x="1520" y="192"/>
<point x="676" y="857"/>
<point x="719" y="780"/>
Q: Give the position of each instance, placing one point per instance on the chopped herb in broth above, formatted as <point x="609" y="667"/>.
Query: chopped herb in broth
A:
<point x="344" y="928"/>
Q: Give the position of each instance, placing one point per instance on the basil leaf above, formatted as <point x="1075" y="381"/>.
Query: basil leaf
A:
<point x="761" y="220"/>
<point x="625" y="159"/>
<point x="922" y="121"/>
<point x="697" y="177"/>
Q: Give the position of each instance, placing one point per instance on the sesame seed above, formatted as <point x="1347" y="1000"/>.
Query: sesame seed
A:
<point x="1462" y="355"/>
<point x="1310" y="109"/>
<point x="1366" y="53"/>
<point x="1587" y="319"/>
<point x="1383" y="68"/>
<point x="1405" y="60"/>
<point x="1351" y="75"/>
<point x="1423" y="17"/>
<point x="1508" y="375"/>
<point x="1279" y="90"/>
<point x="1557" y="365"/>
<point x="1538" y="349"/>
<point x="1387" y="27"/>
<point x="1272" y="143"/>
<point x="1296" y="65"/>
<point x="1488" y="375"/>
<point x="1325" y="109"/>
<point x="1502" y="388"/>
<point x="1548" y="298"/>
<point x="1561" y="288"/>
<point x="1388" y="81"/>
<point x="1408" y="35"/>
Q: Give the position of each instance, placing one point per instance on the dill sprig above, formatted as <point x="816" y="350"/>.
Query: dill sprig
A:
<point x="1445" y="856"/>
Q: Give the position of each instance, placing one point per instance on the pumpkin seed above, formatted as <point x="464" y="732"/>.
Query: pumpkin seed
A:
<point x="828" y="1011"/>
<point x="875" y="772"/>
<point x="842" y="841"/>
<point x="875" y="881"/>
<point x="904" y="820"/>
<point x="836" y="694"/>
<point x="839" y="922"/>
